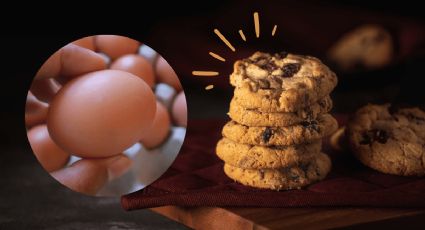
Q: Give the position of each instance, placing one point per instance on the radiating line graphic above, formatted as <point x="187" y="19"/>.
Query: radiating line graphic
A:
<point x="221" y="36"/>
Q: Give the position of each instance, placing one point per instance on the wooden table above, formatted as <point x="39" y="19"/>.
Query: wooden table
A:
<point x="293" y="218"/>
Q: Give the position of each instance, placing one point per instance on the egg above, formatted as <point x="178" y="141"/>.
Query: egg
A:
<point x="86" y="42"/>
<point x="115" y="46"/>
<point x="136" y="65"/>
<point x="47" y="152"/>
<point x="101" y="113"/>
<point x="35" y="111"/>
<point x="166" y="74"/>
<point x="159" y="129"/>
<point x="179" y="110"/>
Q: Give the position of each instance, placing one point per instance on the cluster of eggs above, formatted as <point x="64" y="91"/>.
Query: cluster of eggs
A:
<point x="130" y="94"/>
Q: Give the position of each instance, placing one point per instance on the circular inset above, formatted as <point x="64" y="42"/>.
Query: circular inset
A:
<point x="104" y="131"/>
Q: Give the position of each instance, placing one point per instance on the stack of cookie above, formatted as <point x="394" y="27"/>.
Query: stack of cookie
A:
<point x="279" y="117"/>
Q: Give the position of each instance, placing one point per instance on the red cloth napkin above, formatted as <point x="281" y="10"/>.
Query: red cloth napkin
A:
<point x="196" y="178"/>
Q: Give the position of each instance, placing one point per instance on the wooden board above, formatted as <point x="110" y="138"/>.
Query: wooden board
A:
<point x="289" y="218"/>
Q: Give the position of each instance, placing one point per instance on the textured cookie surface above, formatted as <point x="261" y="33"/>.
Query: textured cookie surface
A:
<point x="290" y="135"/>
<point x="389" y="140"/>
<point x="255" y="117"/>
<point x="281" y="82"/>
<point x="368" y="46"/>
<point x="256" y="157"/>
<point x="293" y="177"/>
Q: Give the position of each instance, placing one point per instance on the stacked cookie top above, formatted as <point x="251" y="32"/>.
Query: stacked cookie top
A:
<point x="279" y="116"/>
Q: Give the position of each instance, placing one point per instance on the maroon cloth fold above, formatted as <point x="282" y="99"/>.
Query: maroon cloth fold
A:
<point x="196" y="178"/>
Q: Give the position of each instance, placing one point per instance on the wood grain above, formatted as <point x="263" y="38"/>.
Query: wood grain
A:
<point x="281" y="218"/>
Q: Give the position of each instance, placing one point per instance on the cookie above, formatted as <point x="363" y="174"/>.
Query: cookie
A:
<point x="366" y="47"/>
<point x="281" y="82"/>
<point x="254" y="117"/>
<point x="293" y="177"/>
<point x="306" y="132"/>
<point x="389" y="140"/>
<point x="257" y="157"/>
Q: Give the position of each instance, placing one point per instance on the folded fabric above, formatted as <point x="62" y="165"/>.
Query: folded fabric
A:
<point x="196" y="178"/>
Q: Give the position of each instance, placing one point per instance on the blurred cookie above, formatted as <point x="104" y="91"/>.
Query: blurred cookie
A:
<point x="281" y="82"/>
<point x="305" y="132"/>
<point x="292" y="177"/>
<point x="366" y="47"/>
<point x="389" y="140"/>
<point x="257" y="157"/>
<point x="255" y="117"/>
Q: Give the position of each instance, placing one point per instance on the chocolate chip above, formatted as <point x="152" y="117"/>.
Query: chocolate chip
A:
<point x="290" y="69"/>
<point x="374" y="135"/>
<point x="311" y="124"/>
<point x="267" y="134"/>
<point x="270" y="67"/>
<point x="281" y="55"/>
<point x="304" y="167"/>
<point x="393" y="109"/>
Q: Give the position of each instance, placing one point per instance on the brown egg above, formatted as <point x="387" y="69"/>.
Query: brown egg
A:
<point x="50" y="155"/>
<point x="179" y="110"/>
<point x="35" y="111"/>
<point x="115" y="46"/>
<point x="166" y="74"/>
<point x="159" y="130"/>
<point x="101" y="114"/>
<point x="86" y="42"/>
<point x="136" y="65"/>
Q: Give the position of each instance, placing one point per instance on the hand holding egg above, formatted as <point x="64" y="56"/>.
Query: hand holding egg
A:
<point x="97" y="113"/>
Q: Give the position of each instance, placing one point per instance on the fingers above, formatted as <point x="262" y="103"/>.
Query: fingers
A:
<point x="88" y="176"/>
<point x="44" y="89"/>
<point x="76" y="60"/>
<point x="70" y="61"/>
<point x="35" y="111"/>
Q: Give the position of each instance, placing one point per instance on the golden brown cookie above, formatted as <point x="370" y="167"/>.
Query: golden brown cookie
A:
<point x="281" y="82"/>
<point x="292" y="177"/>
<point x="257" y="157"/>
<point x="366" y="47"/>
<point x="254" y="117"/>
<point x="389" y="140"/>
<point x="291" y="135"/>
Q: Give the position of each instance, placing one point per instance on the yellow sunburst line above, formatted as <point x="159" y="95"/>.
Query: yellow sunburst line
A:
<point x="257" y="24"/>
<point x="274" y="30"/>
<point x="242" y="35"/>
<point x="221" y="36"/>
<point x="216" y="56"/>
<point x="208" y="87"/>
<point x="205" y="73"/>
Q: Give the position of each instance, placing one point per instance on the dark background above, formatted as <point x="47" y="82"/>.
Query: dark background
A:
<point x="183" y="34"/>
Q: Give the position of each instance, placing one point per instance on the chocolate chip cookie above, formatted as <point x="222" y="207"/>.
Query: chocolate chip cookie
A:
<point x="291" y="177"/>
<point x="305" y="132"/>
<point x="254" y="117"/>
<point x="257" y="157"/>
<point x="366" y="47"/>
<point x="389" y="140"/>
<point x="281" y="82"/>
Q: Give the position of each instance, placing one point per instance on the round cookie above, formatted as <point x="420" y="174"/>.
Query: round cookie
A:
<point x="281" y="82"/>
<point x="258" y="157"/>
<point x="293" y="177"/>
<point x="389" y="140"/>
<point x="254" y="117"/>
<point x="368" y="46"/>
<point x="291" y="135"/>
